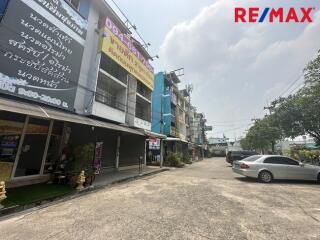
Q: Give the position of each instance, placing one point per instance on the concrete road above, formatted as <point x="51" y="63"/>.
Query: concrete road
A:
<point x="203" y="201"/>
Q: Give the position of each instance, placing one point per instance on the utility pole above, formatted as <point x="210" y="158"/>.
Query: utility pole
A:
<point x="255" y="119"/>
<point x="269" y="108"/>
<point x="189" y="89"/>
<point x="161" y="114"/>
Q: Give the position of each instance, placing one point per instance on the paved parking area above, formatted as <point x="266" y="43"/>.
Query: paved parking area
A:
<point x="203" y="201"/>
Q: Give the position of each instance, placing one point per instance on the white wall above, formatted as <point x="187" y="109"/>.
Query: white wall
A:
<point x="89" y="66"/>
<point x="140" y="123"/>
<point x="103" y="111"/>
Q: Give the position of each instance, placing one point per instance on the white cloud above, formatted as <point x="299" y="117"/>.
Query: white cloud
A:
<point x="237" y="68"/>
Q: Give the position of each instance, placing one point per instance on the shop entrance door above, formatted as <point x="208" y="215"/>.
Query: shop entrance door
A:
<point x="33" y="147"/>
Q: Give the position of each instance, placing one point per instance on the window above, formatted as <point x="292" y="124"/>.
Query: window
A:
<point x="290" y="161"/>
<point x="143" y="90"/>
<point x="30" y="159"/>
<point x="275" y="160"/>
<point x="281" y="160"/>
<point x="252" y="158"/>
<point x="11" y="126"/>
<point x="143" y="111"/>
<point x="109" y="97"/>
<point x="113" y="68"/>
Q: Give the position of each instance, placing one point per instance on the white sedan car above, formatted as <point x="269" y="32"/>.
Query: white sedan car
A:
<point x="269" y="167"/>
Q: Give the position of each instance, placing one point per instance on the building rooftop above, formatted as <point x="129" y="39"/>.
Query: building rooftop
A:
<point x="172" y="76"/>
<point x="140" y="48"/>
<point x="106" y="10"/>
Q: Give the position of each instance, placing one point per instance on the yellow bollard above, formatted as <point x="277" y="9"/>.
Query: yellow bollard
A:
<point x="3" y="195"/>
<point x="81" y="179"/>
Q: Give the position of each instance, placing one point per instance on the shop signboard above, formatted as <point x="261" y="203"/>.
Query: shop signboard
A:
<point x="98" y="156"/>
<point x="154" y="143"/>
<point x="120" y="49"/>
<point x="41" y="47"/>
<point x="140" y="123"/>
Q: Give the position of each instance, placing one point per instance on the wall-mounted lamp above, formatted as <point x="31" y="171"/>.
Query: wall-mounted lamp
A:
<point x="156" y="56"/>
<point x="146" y="45"/>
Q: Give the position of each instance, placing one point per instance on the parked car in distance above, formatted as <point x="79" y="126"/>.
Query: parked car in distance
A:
<point x="239" y="155"/>
<point x="269" y="167"/>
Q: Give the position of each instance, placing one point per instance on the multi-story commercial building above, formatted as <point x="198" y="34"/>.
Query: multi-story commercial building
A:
<point x="181" y="115"/>
<point x="174" y="116"/>
<point x="118" y="78"/>
<point x="198" y="127"/>
<point x="164" y="104"/>
<point x="71" y="75"/>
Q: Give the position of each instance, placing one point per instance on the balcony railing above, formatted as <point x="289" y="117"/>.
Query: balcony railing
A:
<point x="114" y="69"/>
<point x="173" y="131"/>
<point x="173" y="119"/>
<point x="173" y="98"/>
<point x="142" y="113"/>
<point x="109" y="99"/>
<point x="143" y="91"/>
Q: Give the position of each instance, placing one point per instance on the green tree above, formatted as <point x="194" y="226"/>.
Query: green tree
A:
<point x="300" y="114"/>
<point x="295" y="115"/>
<point x="263" y="135"/>
<point x="312" y="71"/>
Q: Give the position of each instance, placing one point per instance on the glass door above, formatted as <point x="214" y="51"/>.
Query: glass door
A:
<point x="33" y="147"/>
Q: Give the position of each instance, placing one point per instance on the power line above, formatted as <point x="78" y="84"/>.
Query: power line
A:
<point x="234" y="121"/>
<point x="132" y="25"/>
<point x="296" y="80"/>
<point x="292" y="84"/>
<point x="232" y="129"/>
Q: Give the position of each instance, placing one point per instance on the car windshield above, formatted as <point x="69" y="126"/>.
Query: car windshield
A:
<point x="252" y="158"/>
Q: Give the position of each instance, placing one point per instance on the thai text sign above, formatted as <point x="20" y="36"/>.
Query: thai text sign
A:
<point x="98" y="156"/>
<point x="120" y="49"/>
<point x="41" y="45"/>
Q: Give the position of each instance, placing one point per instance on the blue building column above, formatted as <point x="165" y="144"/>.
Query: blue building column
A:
<point x="157" y="104"/>
<point x="3" y="7"/>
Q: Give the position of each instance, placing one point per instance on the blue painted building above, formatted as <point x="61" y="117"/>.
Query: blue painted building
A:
<point x="164" y="102"/>
<point x="174" y="116"/>
<point x="3" y="7"/>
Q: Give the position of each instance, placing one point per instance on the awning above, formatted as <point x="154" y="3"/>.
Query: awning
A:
<point x="175" y="140"/>
<point x="48" y="113"/>
<point x="153" y="134"/>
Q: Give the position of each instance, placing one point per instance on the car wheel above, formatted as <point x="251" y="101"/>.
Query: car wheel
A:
<point x="265" y="176"/>
<point x="318" y="178"/>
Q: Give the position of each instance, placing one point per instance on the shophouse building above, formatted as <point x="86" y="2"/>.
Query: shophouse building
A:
<point x="71" y="75"/>
<point x="174" y="116"/>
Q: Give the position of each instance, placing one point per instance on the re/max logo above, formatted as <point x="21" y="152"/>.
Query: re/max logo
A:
<point x="255" y="14"/>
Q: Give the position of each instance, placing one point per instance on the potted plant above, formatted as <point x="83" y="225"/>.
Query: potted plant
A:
<point x="90" y="175"/>
<point x="84" y="161"/>
<point x="174" y="160"/>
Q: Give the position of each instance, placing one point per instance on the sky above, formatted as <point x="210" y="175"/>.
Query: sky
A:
<point x="236" y="68"/>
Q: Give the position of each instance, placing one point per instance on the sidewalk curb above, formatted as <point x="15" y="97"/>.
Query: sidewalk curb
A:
<point x="16" y="211"/>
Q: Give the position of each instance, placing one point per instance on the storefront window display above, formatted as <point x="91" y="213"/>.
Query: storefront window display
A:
<point x="30" y="159"/>
<point x="11" y="126"/>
